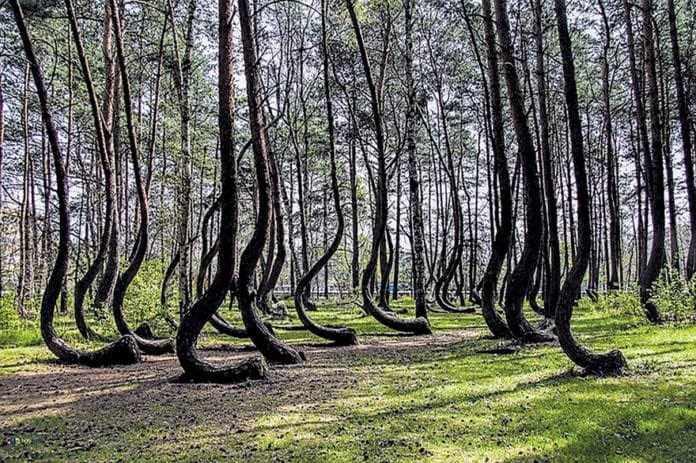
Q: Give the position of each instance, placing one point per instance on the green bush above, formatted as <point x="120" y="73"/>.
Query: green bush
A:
<point x="14" y="330"/>
<point x="142" y="302"/>
<point x="675" y="297"/>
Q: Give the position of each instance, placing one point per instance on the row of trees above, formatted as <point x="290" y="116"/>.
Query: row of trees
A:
<point x="522" y="184"/>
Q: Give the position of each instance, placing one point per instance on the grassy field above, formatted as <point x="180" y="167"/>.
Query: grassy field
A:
<point x="392" y="398"/>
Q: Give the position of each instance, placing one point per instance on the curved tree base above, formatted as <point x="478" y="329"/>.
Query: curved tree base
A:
<point x="223" y="327"/>
<point x="124" y="351"/>
<point x="340" y="336"/>
<point x="475" y="297"/>
<point x="274" y="350"/>
<point x="606" y="364"/>
<point x="447" y="307"/>
<point x="153" y="346"/>
<point x="250" y="370"/>
<point x="610" y="364"/>
<point x="417" y="326"/>
<point x="652" y="313"/>
<point x="536" y="337"/>
<point x="495" y="322"/>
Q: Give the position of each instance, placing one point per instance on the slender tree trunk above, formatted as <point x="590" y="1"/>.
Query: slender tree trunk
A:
<point x="420" y="325"/>
<point x="152" y="347"/>
<point x="553" y="275"/>
<point x="2" y="152"/>
<point x="686" y="137"/>
<point x="414" y="185"/>
<point x="654" y="172"/>
<point x="123" y="351"/>
<point x="193" y="321"/>
<point x="521" y="277"/>
<point x="613" y="277"/>
<point x="612" y="362"/>
<point x="339" y="335"/>
<point x="501" y="241"/>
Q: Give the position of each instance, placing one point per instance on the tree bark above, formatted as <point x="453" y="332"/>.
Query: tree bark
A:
<point x="339" y="335"/>
<point x="521" y="277"/>
<point x="687" y="147"/>
<point x="123" y="351"/>
<point x="501" y="242"/>
<point x="612" y="362"/>
<point x="193" y="321"/>
<point x="419" y="325"/>
<point x="414" y="186"/>
<point x="152" y="347"/>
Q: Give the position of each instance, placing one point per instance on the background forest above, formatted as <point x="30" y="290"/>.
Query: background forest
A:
<point x="287" y="173"/>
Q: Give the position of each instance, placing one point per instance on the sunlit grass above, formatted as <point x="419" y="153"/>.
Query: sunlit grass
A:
<point x="445" y="403"/>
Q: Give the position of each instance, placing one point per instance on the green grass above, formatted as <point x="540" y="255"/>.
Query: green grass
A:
<point x="406" y="401"/>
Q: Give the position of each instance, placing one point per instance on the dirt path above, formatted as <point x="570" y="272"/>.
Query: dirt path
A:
<point x="58" y="410"/>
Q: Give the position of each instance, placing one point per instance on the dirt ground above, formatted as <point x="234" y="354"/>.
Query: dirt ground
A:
<point x="52" y="412"/>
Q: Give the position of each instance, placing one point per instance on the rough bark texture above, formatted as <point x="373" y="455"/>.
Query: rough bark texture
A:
<point x="419" y="325"/>
<point x="272" y="348"/>
<point x="339" y="335"/>
<point x="123" y="351"/>
<point x="205" y="307"/>
<point x="414" y="187"/>
<point x="612" y="362"/>
<point x="521" y="277"/>
<point x="83" y="285"/>
<point x="553" y="262"/>
<point x="687" y="147"/>
<point x="654" y="172"/>
<point x="501" y="242"/>
<point x="152" y="347"/>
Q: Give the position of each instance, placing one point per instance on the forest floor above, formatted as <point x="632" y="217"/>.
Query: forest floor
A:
<point x="391" y="398"/>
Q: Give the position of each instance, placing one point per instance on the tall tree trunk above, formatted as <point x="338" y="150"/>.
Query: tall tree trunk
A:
<point x="123" y="351"/>
<point x="419" y="325"/>
<point x="613" y="278"/>
<point x="2" y="210"/>
<point x="553" y="275"/>
<point x="272" y="348"/>
<point x="182" y="78"/>
<point x="686" y="137"/>
<point x="85" y="283"/>
<point x="654" y="172"/>
<point x="339" y="335"/>
<point x="193" y="321"/>
<point x="521" y="277"/>
<point x="501" y="241"/>
<point x="414" y="186"/>
<point x="152" y="347"/>
<point x="612" y="362"/>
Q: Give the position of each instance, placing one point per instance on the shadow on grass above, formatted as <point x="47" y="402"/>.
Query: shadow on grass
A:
<point x="392" y="399"/>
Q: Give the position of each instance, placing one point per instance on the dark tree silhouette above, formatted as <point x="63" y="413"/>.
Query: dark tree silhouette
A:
<point x="614" y="361"/>
<point x="123" y="351"/>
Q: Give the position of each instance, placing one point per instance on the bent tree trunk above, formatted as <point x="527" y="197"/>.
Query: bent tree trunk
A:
<point x="83" y="285"/>
<point x="614" y="361"/>
<point x="413" y="175"/>
<point x="501" y="242"/>
<point x="205" y="307"/>
<point x="340" y="335"/>
<point x="272" y="348"/>
<point x="152" y="347"/>
<point x="123" y="351"/>
<point x="419" y="325"/>
<point x="649" y="272"/>
<point x="105" y="287"/>
<point x="521" y="277"/>
<point x="654" y="171"/>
